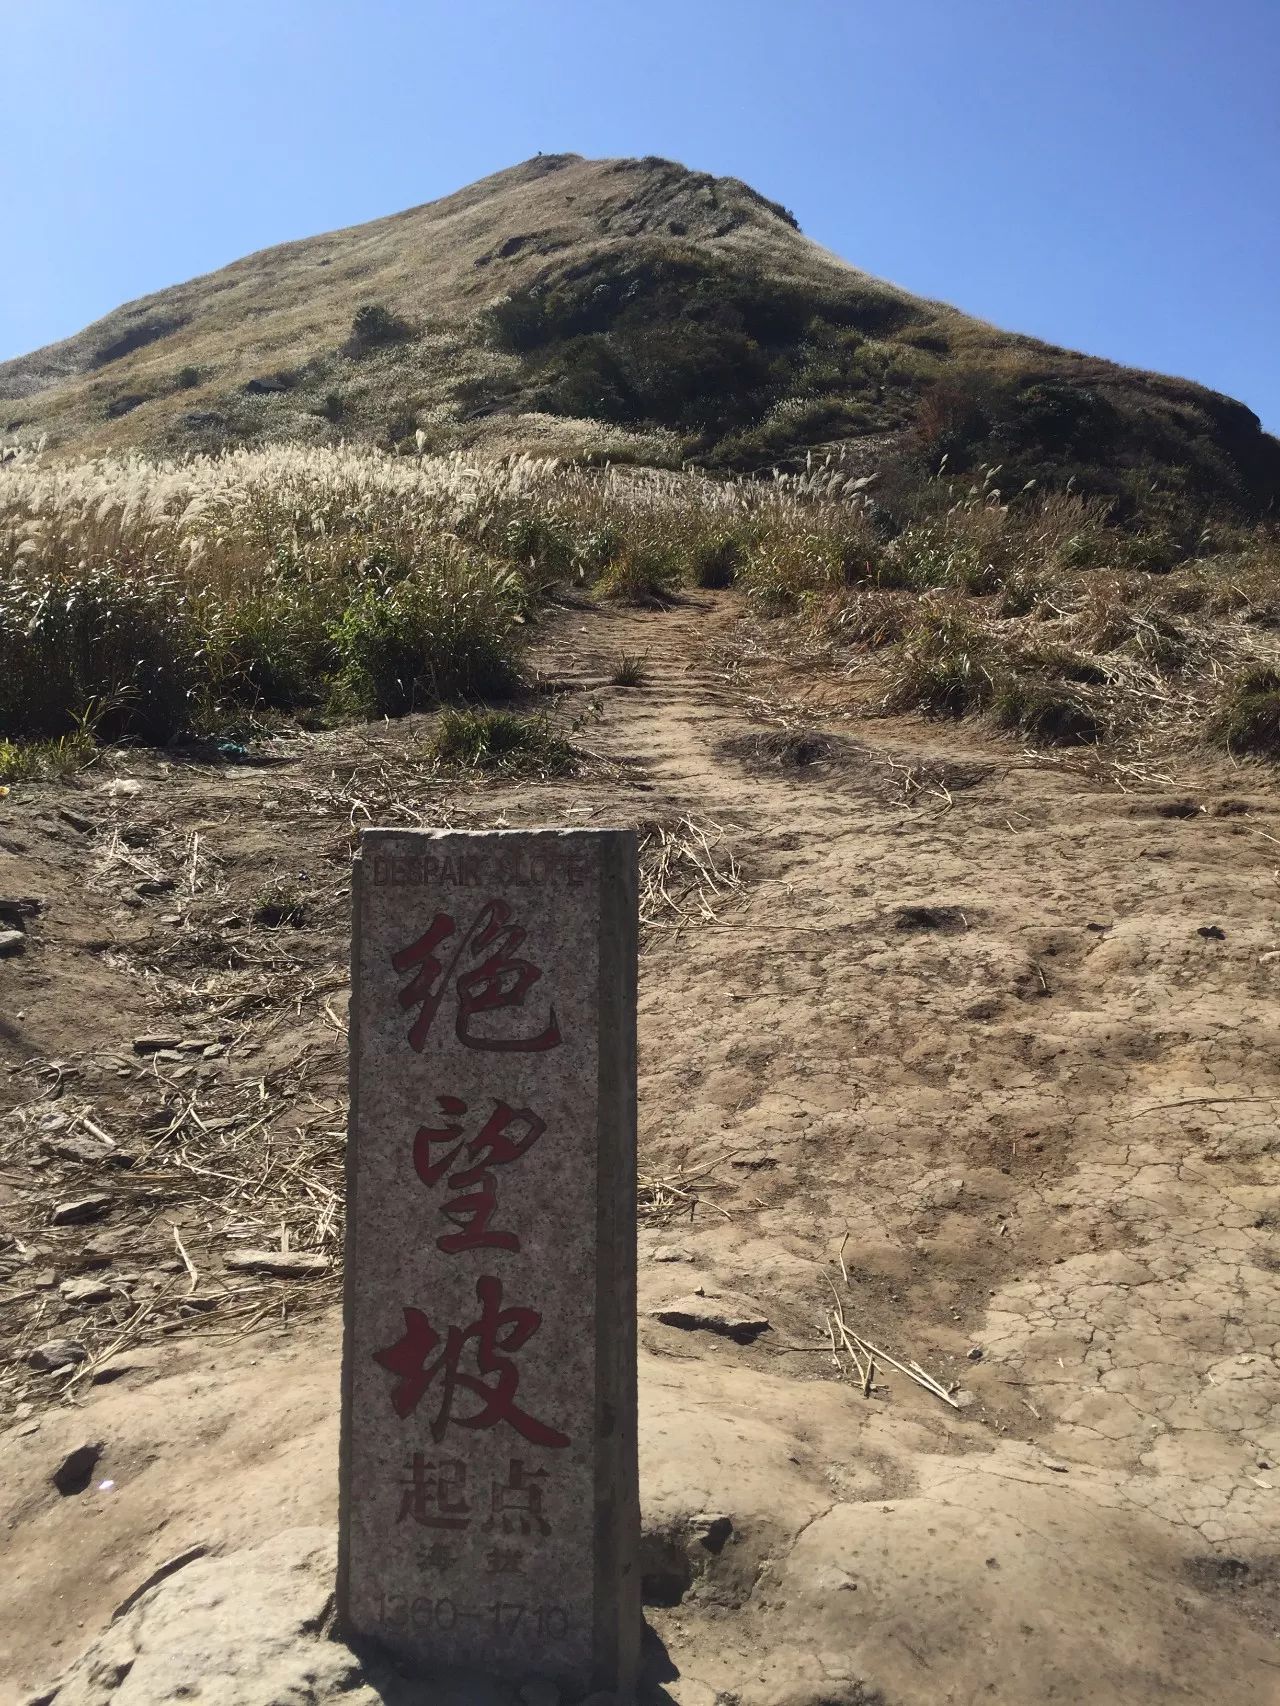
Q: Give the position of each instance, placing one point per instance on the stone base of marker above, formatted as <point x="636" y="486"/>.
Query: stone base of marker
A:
<point x="489" y="1505"/>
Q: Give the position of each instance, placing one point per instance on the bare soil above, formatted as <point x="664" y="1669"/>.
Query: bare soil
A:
<point x="982" y="1053"/>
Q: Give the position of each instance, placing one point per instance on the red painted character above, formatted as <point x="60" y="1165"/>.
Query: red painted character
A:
<point x="497" y="1330"/>
<point x="507" y="1134"/>
<point x="498" y="980"/>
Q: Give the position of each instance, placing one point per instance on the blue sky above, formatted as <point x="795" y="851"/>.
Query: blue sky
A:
<point x="1102" y="173"/>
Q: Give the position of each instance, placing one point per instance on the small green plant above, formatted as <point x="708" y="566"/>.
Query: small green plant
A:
<point x="333" y="407"/>
<point x="641" y="574"/>
<point x="501" y="741"/>
<point x="39" y="761"/>
<point x="1249" y="718"/>
<point x="629" y="671"/>
<point x="188" y="378"/>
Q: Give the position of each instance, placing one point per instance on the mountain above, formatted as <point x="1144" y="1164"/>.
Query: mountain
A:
<point x="629" y="308"/>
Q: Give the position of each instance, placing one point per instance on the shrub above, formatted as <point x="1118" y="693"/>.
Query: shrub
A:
<point x="944" y="665"/>
<point x="445" y="632"/>
<point x="499" y="741"/>
<point x="108" y="652"/>
<point x="36" y="761"/>
<point x="374" y="326"/>
<point x="1046" y="712"/>
<point x="714" y="562"/>
<point x="188" y="378"/>
<point x="275" y="648"/>
<point x="875" y="617"/>
<point x="1249" y="719"/>
<point x="642" y="573"/>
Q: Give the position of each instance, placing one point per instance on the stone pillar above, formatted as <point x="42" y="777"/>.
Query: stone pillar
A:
<point x="489" y="1503"/>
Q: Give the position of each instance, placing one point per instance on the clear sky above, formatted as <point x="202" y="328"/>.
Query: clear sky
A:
<point x="1102" y="173"/>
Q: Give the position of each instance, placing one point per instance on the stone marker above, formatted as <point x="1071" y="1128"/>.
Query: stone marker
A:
<point x="489" y="1508"/>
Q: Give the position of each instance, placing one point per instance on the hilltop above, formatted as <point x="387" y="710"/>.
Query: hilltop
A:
<point x="632" y="309"/>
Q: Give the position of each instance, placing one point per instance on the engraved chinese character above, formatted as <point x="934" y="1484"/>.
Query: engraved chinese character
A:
<point x="435" y="1557"/>
<point x="435" y="1494"/>
<point x="495" y="1385"/>
<point x="517" y="1503"/>
<point x="497" y="979"/>
<point x="508" y="1134"/>
<point x="503" y="1561"/>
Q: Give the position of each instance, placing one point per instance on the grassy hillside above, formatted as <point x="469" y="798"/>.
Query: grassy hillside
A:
<point x="630" y="309"/>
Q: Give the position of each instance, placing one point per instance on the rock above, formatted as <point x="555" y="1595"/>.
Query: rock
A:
<point x="75" y="1471"/>
<point x="974" y="1353"/>
<point x="672" y="1253"/>
<point x="123" y="788"/>
<point x="155" y="885"/>
<point x="89" y="1151"/>
<point x="139" y="1360"/>
<point x="712" y="1531"/>
<point x="1212" y="933"/>
<point x="1056" y="1464"/>
<point x="57" y="1353"/>
<point x="284" y="1264"/>
<point x="161" y="1573"/>
<point x="246" y="1630"/>
<point x="734" y="1317"/>
<point x="153" y="1044"/>
<point x="85" y="1290"/>
<point x="80" y="1210"/>
<point x="12" y="942"/>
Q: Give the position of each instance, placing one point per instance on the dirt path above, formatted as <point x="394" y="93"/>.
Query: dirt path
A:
<point x="998" y="1038"/>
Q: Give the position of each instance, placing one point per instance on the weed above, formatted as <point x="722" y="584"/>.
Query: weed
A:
<point x="629" y="671"/>
<point x="642" y="573"/>
<point x="500" y="741"/>
<point x="38" y="761"/>
<point x="280" y="903"/>
<point x="1249" y="718"/>
<point x="944" y="665"/>
<point x="1045" y="712"/>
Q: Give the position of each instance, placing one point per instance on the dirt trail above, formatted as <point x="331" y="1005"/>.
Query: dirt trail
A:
<point x="1000" y="1039"/>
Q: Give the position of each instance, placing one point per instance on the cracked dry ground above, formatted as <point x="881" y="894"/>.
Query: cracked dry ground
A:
<point x="964" y="1011"/>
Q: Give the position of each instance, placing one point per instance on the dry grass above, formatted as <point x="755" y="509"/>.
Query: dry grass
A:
<point x="688" y="874"/>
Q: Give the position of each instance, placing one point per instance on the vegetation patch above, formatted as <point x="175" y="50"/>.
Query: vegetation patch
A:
<point x="502" y="742"/>
<point x="1249" y="719"/>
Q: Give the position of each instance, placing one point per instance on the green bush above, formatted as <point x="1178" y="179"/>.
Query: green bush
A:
<point x="642" y="573"/>
<point x="499" y="741"/>
<point x="106" y="652"/>
<point x="274" y="649"/>
<point x="445" y="632"/>
<point x="1249" y="720"/>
